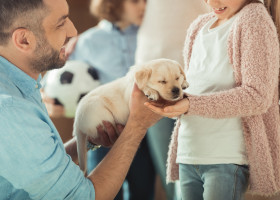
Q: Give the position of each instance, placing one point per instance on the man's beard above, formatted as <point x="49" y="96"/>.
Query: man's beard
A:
<point x="46" y="58"/>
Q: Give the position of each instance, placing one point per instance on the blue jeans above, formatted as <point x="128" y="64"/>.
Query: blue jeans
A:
<point x="213" y="182"/>
<point x="158" y="139"/>
<point x="140" y="177"/>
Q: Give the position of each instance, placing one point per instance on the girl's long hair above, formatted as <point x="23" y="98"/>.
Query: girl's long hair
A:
<point x="273" y="7"/>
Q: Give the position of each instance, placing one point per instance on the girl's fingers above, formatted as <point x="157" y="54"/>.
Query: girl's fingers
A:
<point x="168" y="111"/>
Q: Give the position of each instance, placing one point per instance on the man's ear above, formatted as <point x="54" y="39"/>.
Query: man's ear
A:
<point x="24" y="40"/>
<point x="142" y="76"/>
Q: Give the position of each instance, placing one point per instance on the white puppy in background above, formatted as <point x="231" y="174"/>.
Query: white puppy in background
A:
<point x="158" y="79"/>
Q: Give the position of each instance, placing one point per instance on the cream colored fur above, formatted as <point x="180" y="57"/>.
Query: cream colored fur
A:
<point x="110" y="102"/>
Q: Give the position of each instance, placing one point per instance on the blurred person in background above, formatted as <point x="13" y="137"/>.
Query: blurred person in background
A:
<point x="162" y="35"/>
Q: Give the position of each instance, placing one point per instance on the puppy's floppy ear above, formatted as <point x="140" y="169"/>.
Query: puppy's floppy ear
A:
<point x="182" y="71"/>
<point x="185" y="83"/>
<point x="142" y="76"/>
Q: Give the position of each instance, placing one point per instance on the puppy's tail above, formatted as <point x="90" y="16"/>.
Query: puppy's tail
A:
<point x="82" y="150"/>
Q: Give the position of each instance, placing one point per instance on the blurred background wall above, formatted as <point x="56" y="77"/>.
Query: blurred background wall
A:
<point x="80" y="15"/>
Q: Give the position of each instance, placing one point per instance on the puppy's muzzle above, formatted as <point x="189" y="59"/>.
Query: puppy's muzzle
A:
<point x="175" y="92"/>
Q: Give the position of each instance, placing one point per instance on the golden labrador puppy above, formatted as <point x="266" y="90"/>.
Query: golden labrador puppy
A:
<point x="158" y="79"/>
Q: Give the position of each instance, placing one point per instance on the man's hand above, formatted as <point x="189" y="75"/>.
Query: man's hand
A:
<point x="105" y="138"/>
<point x="171" y="111"/>
<point x="140" y="114"/>
<point x="108" y="136"/>
<point x="70" y="46"/>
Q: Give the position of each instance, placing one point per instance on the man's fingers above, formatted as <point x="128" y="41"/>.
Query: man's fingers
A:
<point x="107" y="135"/>
<point x="166" y="112"/>
<point x="120" y="128"/>
<point x="112" y="135"/>
<point x="100" y="129"/>
<point x="104" y="139"/>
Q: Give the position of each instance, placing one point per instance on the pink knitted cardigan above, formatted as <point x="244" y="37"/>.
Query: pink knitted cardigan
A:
<point x="253" y="49"/>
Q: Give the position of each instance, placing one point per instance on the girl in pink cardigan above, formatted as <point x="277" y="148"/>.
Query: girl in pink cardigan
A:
<point x="228" y="131"/>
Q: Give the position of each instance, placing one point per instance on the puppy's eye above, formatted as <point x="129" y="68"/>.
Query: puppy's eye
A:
<point x="177" y="78"/>
<point x="162" y="82"/>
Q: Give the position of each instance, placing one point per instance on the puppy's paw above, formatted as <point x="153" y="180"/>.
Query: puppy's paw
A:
<point x="151" y="94"/>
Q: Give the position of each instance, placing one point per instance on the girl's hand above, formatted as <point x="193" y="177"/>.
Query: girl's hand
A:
<point x="167" y="110"/>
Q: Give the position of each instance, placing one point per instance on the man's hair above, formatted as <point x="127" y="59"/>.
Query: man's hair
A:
<point x="110" y="10"/>
<point x="19" y="13"/>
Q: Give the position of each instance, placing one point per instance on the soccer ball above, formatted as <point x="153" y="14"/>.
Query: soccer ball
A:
<point x="69" y="84"/>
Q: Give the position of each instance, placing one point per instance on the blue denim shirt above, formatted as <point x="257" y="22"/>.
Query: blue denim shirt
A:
<point x="33" y="161"/>
<point x="107" y="48"/>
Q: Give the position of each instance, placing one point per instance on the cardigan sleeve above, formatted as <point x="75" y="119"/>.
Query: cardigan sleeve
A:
<point x="258" y="61"/>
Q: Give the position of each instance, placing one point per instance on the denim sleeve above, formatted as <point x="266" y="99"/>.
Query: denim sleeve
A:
<point x="33" y="157"/>
<point x="86" y="48"/>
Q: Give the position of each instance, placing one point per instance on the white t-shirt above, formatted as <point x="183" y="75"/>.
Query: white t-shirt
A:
<point x="206" y="140"/>
<point x="162" y="33"/>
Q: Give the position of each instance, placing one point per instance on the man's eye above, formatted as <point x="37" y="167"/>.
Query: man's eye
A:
<point x="60" y="25"/>
<point x="177" y="78"/>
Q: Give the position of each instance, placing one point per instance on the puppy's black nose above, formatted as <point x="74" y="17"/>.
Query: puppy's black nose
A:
<point x="175" y="91"/>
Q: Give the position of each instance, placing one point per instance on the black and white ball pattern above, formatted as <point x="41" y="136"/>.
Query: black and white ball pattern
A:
<point x="70" y="84"/>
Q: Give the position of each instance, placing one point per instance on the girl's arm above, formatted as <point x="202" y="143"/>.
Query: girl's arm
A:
<point x="259" y="61"/>
<point x="258" y="48"/>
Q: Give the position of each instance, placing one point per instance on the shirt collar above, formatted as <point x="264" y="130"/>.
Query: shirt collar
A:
<point x="109" y="26"/>
<point x="23" y="81"/>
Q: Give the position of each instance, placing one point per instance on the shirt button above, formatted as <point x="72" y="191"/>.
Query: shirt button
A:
<point x="36" y="86"/>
